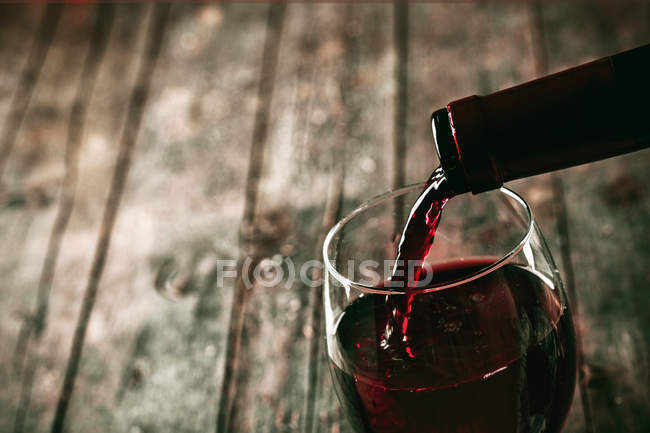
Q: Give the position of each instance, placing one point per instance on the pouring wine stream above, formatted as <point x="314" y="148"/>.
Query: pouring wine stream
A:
<point x="417" y="239"/>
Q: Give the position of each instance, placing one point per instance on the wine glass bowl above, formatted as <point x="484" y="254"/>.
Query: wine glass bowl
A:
<point x="484" y="344"/>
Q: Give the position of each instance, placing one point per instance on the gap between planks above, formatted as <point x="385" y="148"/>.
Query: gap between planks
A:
<point x="400" y="39"/>
<point x="308" y="67"/>
<point x="135" y="111"/>
<point x="22" y="97"/>
<point x="33" y="326"/>
<point x="332" y="213"/>
<point x="333" y="209"/>
<point x="275" y="24"/>
<point x="28" y="80"/>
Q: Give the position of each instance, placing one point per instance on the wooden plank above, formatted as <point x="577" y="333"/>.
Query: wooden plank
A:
<point x="442" y="69"/>
<point x="155" y="344"/>
<point x="315" y="326"/>
<point x="332" y="125"/>
<point x="401" y="42"/>
<point x="175" y="351"/>
<point x="329" y="414"/>
<point x="29" y="78"/>
<point x="368" y="95"/>
<point x="227" y="409"/>
<point x="136" y="107"/>
<point x="292" y="188"/>
<point x="604" y="216"/>
<point x="610" y="285"/>
<point x="369" y="168"/>
<point x="270" y="384"/>
<point x="31" y="172"/>
<point x="16" y="214"/>
<point x="21" y="200"/>
<point x="146" y="350"/>
<point x="296" y="177"/>
<point x="35" y="324"/>
<point x="15" y="48"/>
<point x="102" y="128"/>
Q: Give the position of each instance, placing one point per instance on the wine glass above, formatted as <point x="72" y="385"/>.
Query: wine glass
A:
<point x="484" y="344"/>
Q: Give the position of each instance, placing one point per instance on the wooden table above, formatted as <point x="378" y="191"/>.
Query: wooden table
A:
<point x="141" y="145"/>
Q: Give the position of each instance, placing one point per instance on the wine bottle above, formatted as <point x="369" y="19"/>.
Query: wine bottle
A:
<point x="583" y="114"/>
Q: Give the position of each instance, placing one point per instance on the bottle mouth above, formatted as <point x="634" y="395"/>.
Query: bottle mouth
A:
<point x="348" y="284"/>
<point x="447" y="149"/>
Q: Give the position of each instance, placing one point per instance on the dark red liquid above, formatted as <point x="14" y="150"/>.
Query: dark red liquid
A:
<point x="492" y="355"/>
<point x="415" y="243"/>
<point x="420" y="230"/>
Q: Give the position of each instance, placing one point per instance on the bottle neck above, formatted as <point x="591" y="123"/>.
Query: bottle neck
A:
<point x="583" y="114"/>
<point x="448" y="153"/>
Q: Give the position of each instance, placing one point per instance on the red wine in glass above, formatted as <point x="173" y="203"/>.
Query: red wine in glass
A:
<point x="493" y="355"/>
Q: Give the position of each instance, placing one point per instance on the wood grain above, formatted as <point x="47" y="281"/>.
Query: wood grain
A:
<point x="29" y="77"/>
<point x="198" y="146"/>
<point x="35" y="324"/>
<point x="30" y="177"/>
<point x="229" y="391"/>
<point x="263" y="125"/>
<point x="364" y="137"/>
<point x="136" y="107"/>
<point x="280" y="341"/>
<point x="401" y="42"/>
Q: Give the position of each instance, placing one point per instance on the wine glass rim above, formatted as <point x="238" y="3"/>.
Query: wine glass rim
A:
<point x="505" y="259"/>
